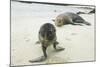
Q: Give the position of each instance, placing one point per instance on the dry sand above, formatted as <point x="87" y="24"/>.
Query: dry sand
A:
<point x="26" y="20"/>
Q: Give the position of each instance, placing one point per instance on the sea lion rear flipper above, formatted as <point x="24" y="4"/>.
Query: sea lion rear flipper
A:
<point x="87" y="23"/>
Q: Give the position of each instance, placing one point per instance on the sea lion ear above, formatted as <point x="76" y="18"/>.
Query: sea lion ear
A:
<point x="53" y="20"/>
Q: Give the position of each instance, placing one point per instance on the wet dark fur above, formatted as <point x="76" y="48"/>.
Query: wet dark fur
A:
<point x="48" y="31"/>
<point x="47" y="36"/>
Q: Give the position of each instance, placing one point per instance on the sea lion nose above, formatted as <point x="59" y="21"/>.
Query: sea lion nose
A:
<point x="49" y="33"/>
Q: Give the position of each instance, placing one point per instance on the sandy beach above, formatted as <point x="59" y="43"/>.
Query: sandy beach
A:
<point x="26" y="20"/>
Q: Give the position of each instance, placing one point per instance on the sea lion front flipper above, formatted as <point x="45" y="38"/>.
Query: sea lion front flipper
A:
<point x="42" y="58"/>
<point x="58" y="48"/>
<point x="73" y="22"/>
<point x="76" y="24"/>
<point x="39" y="59"/>
<point x="55" y="44"/>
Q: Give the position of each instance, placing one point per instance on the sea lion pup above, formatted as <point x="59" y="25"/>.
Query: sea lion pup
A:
<point x="69" y="18"/>
<point x="47" y="36"/>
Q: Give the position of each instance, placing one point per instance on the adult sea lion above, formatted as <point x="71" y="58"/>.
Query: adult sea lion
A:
<point x="69" y="18"/>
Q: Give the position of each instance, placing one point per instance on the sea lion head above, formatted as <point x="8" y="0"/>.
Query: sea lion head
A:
<point x="58" y="21"/>
<point x="48" y="32"/>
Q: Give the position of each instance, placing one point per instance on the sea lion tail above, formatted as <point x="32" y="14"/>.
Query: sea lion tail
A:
<point x="87" y="23"/>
